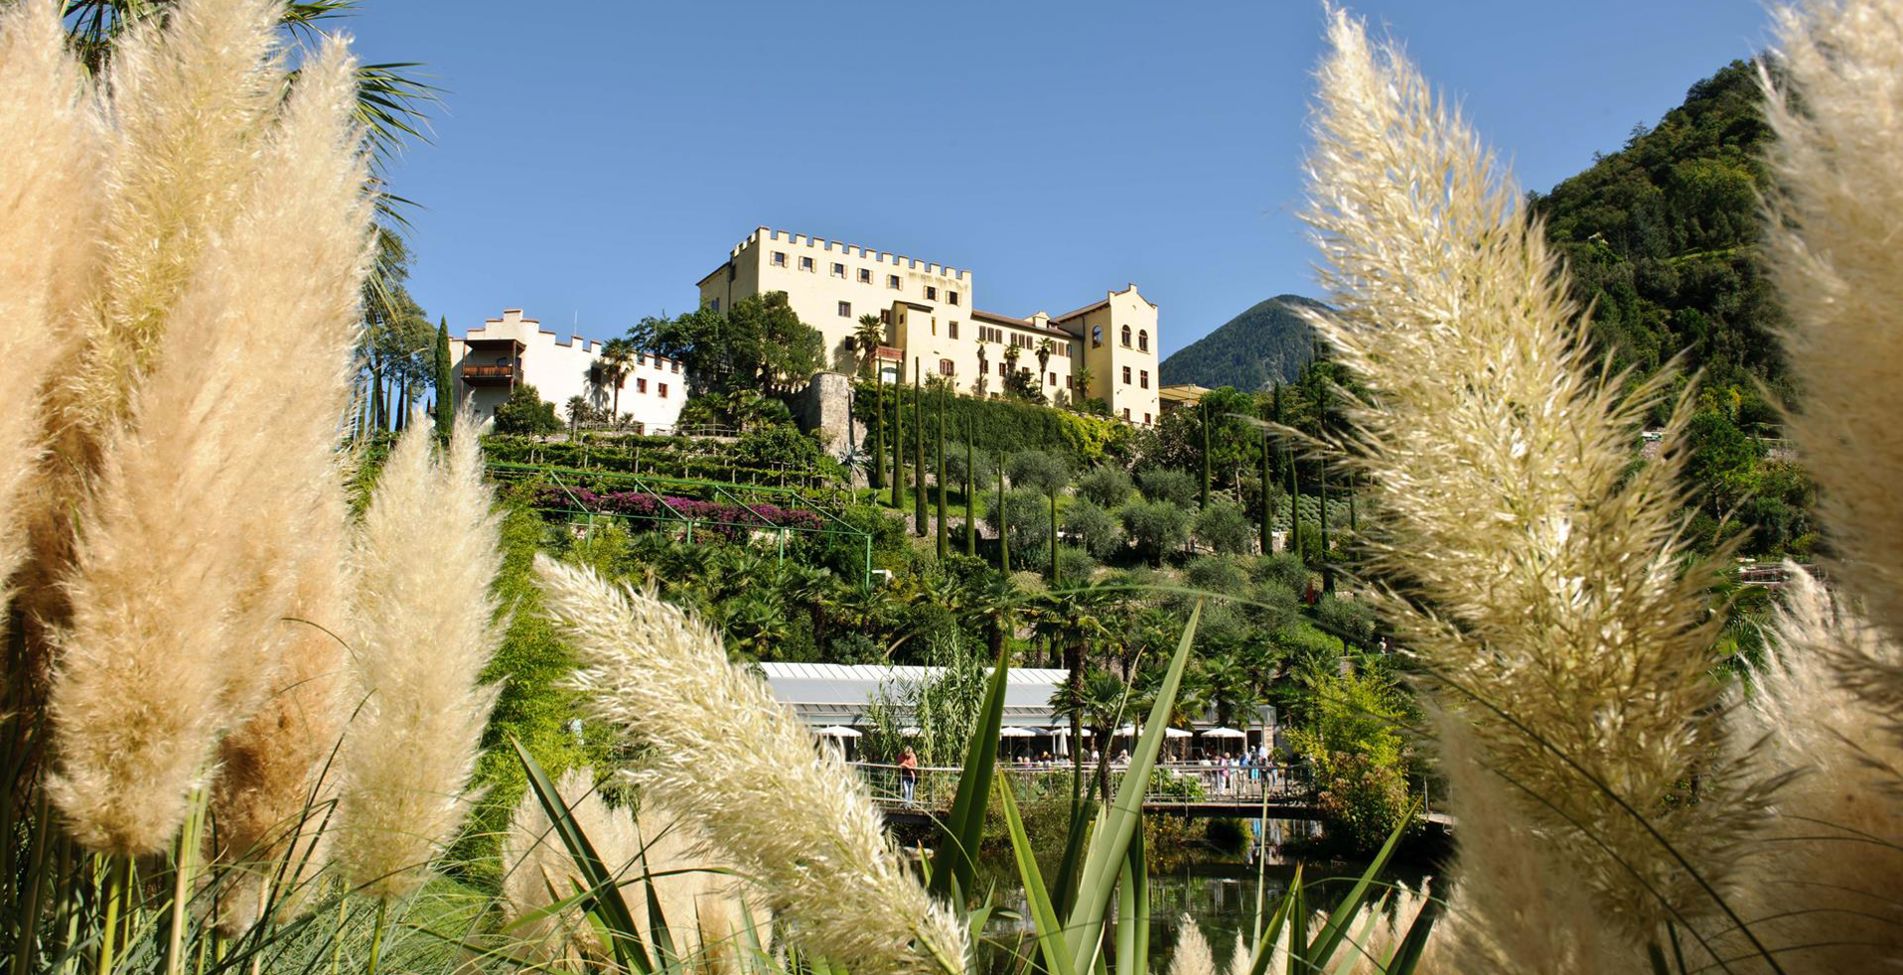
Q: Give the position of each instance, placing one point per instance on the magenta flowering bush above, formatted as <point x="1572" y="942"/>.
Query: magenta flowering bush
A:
<point x="726" y="518"/>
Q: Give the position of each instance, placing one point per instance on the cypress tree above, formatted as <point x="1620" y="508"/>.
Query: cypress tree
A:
<point x="877" y="474"/>
<point x="971" y="491"/>
<point x="898" y="446"/>
<point x="918" y="452"/>
<point x="1004" y="533"/>
<point x="1204" y="500"/>
<point x="1268" y="490"/>
<point x="942" y="545"/>
<point x="1294" y="512"/>
<point x="445" y="382"/>
<point x="1053" y="538"/>
<point x="1328" y="567"/>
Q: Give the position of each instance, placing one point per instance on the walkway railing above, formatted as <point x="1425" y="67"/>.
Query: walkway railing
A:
<point x="1171" y="784"/>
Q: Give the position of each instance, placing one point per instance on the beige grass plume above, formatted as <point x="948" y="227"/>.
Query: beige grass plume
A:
<point x="539" y="872"/>
<point x="1830" y="875"/>
<point x="1539" y="574"/>
<point x="48" y="221"/>
<point x="207" y="497"/>
<point x="1833" y="242"/>
<point x="1192" y="955"/>
<point x="737" y="765"/>
<point x="424" y="627"/>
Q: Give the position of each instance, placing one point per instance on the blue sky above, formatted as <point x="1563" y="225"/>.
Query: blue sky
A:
<point x="592" y="160"/>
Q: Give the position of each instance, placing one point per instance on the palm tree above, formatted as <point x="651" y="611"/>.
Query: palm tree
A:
<point x="1077" y="618"/>
<point x="1098" y="702"/>
<point x="1082" y="376"/>
<point x="866" y="340"/>
<point x="999" y="605"/>
<point x="1045" y="348"/>
<point x="617" y="360"/>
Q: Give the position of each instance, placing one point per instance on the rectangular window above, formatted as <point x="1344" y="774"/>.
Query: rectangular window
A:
<point x="865" y="275"/>
<point x="714" y="304"/>
<point x="845" y="309"/>
<point x="806" y="263"/>
<point x="1146" y="379"/>
<point x="1126" y="375"/>
<point x="663" y="390"/>
<point x="1070" y="382"/>
<point x="640" y="360"/>
<point x="779" y="258"/>
<point x="954" y="330"/>
<point x="885" y="316"/>
<point x="945" y="367"/>
<point x="892" y="281"/>
<point x="839" y="270"/>
<point x="931" y="293"/>
<point x="1053" y="379"/>
<point x="951" y="297"/>
<point x="640" y="385"/>
<point x="1001" y="371"/>
<point x="1146" y="419"/>
<point x="674" y="366"/>
<point x="1126" y="414"/>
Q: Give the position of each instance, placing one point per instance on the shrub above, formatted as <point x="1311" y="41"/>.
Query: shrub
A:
<point x="1074" y="565"/>
<point x="1107" y="487"/>
<point x="1217" y="573"/>
<point x="1000" y="425"/>
<point x="983" y="474"/>
<point x="1225" y="527"/>
<point x="1283" y="568"/>
<point x="1041" y="472"/>
<point x="1028" y="514"/>
<point x="1166" y="484"/>
<point x="1350" y="620"/>
<point x="524" y="412"/>
<point x="1156" y="528"/>
<point x="1093" y="528"/>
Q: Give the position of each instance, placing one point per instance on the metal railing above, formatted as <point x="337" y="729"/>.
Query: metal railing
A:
<point x="1172" y="784"/>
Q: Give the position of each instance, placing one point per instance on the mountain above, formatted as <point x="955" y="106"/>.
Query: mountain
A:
<point x="1268" y="343"/>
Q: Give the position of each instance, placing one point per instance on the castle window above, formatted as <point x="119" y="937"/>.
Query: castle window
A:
<point x="839" y="270"/>
<point x="806" y="264"/>
<point x="663" y="390"/>
<point x="1002" y="372"/>
<point x="845" y="309"/>
<point x="1146" y="419"/>
<point x="714" y="304"/>
<point x="865" y="275"/>
<point x="675" y="366"/>
<point x="640" y="360"/>
<point x="931" y="293"/>
<point x="1146" y="379"/>
<point x="945" y="367"/>
<point x="885" y="316"/>
<point x="892" y="281"/>
<point x="1126" y="336"/>
<point x="954" y="330"/>
<point x="1070" y="382"/>
<point x="640" y="385"/>
<point x="779" y="258"/>
<point x="1143" y="340"/>
<point x="1126" y="414"/>
<point x="951" y="297"/>
<point x="1096" y="336"/>
<point x="1126" y="375"/>
<point x="1053" y="379"/>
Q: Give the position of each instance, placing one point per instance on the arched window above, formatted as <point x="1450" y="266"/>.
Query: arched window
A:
<point x="1096" y="336"/>
<point x="1143" y="341"/>
<point x="1126" y="336"/>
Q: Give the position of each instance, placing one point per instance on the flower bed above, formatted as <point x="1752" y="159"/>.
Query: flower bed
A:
<point x="729" y="519"/>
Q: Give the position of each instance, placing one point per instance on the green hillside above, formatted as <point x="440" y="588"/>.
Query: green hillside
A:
<point x="1265" y="345"/>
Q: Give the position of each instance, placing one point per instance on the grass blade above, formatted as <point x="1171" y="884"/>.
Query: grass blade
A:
<point x="606" y="900"/>
<point x="956" y="859"/>
<point x="1336" y="927"/>
<point x="1084" y="932"/>
<point x="1050" y="935"/>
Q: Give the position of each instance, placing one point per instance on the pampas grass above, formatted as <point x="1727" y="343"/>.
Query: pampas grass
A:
<point x="1192" y="955"/>
<point x="737" y="766"/>
<point x="1536" y="576"/>
<point x="423" y="628"/>
<point x="539" y="872"/>
<point x="47" y="209"/>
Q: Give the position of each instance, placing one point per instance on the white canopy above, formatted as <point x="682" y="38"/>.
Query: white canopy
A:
<point x="1062" y="732"/>
<point x="1016" y="733"/>
<point x="837" y="731"/>
<point x="910" y="731"/>
<point x="1225" y="733"/>
<point x="1130" y="731"/>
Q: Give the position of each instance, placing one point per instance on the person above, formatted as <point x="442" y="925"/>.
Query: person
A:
<point x="908" y="775"/>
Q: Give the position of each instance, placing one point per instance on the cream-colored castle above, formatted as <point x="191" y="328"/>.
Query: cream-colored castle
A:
<point x="933" y="327"/>
<point x="515" y="350"/>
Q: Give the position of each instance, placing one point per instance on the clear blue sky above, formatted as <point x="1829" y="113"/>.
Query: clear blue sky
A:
<point x="592" y="160"/>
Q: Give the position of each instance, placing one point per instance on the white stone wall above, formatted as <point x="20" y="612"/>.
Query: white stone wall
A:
<point x="558" y="368"/>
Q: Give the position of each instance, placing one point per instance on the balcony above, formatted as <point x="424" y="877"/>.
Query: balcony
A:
<point x="488" y="375"/>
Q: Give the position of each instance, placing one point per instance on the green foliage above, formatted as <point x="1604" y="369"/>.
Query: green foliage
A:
<point x="759" y="344"/>
<point x="982" y="470"/>
<point x="1217" y="573"/>
<point x="1351" y="735"/>
<point x="1004" y="426"/>
<point x="1092" y="528"/>
<point x="1225" y="527"/>
<point x="1156" y="528"/>
<point x="781" y="445"/>
<point x="1351" y="620"/>
<point x="525" y="413"/>
<point x="1038" y="471"/>
<point x="1267" y="344"/>
<point x="1177" y="487"/>
<point x="444" y="381"/>
<point x="1028" y="515"/>
<point x="1105" y="485"/>
<point x="943" y="707"/>
<point x="1074" y="564"/>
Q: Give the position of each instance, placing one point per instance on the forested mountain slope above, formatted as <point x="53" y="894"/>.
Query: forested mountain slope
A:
<point x="1267" y="344"/>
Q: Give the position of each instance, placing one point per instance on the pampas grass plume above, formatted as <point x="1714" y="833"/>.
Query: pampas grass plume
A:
<point x="424" y="626"/>
<point x="1192" y="955"/>
<point x="539" y="872"/>
<point x="1541" y="575"/>
<point x="737" y="766"/>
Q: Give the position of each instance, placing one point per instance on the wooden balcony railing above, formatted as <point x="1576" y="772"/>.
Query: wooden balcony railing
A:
<point x="480" y="375"/>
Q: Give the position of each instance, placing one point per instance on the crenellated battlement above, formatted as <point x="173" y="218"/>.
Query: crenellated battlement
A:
<point x="833" y="248"/>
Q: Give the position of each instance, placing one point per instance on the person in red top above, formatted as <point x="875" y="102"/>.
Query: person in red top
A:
<point x="908" y="775"/>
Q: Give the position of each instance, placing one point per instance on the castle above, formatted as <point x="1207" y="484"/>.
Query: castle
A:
<point x="1105" y="350"/>
<point x="933" y="327"/>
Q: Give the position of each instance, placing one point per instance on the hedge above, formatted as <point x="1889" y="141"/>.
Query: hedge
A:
<point x="1003" y="425"/>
